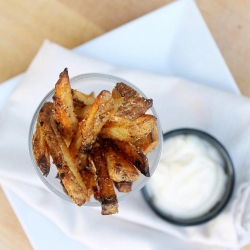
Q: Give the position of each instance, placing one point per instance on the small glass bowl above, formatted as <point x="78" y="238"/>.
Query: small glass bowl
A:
<point x="87" y="83"/>
<point x="220" y="205"/>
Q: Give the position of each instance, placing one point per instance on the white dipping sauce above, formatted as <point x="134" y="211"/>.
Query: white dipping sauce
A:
<point x="189" y="179"/>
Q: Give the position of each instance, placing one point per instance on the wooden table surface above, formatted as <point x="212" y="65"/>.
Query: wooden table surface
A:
<point x="25" y="24"/>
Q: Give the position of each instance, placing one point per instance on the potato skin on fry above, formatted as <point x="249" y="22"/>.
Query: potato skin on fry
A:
<point x="149" y="142"/>
<point x="131" y="104"/>
<point x="80" y="99"/>
<point x="74" y="190"/>
<point x="118" y="167"/>
<point x="40" y="148"/>
<point x="125" y="130"/>
<point x="64" y="108"/>
<point x="123" y="186"/>
<point x="134" y="155"/>
<point x="97" y="116"/>
<point x="106" y="192"/>
<point x="89" y="178"/>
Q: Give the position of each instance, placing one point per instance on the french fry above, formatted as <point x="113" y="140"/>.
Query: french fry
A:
<point x="89" y="178"/>
<point x="40" y="148"/>
<point x="64" y="108"/>
<point x="80" y="99"/>
<point x="69" y="161"/>
<point x="106" y="192"/>
<point x="71" y="185"/>
<point x="123" y="186"/>
<point x="134" y="155"/>
<point x="125" y="130"/>
<point x="149" y="142"/>
<point x="82" y="112"/>
<point x="74" y="190"/>
<point x="97" y="116"/>
<point x="132" y="105"/>
<point x="118" y="167"/>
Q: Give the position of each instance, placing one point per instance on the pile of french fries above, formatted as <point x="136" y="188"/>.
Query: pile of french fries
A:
<point x="97" y="143"/>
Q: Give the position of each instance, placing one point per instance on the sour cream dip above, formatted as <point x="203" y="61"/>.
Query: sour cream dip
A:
<point x="190" y="178"/>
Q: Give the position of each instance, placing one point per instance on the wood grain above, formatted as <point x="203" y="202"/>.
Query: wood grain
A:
<point x="12" y="236"/>
<point x="25" y="24"/>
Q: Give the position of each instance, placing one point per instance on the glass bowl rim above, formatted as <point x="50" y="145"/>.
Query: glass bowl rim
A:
<point x="218" y="207"/>
<point x="49" y="95"/>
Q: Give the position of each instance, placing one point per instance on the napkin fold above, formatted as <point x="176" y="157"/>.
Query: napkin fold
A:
<point x="179" y="103"/>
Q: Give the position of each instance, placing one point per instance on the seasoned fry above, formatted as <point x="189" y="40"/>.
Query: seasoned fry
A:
<point x="126" y="130"/>
<point x="132" y="105"/>
<point x="40" y="147"/>
<point x="118" y="167"/>
<point x="89" y="178"/>
<point x="80" y="99"/>
<point x="69" y="161"/>
<point x="71" y="185"/>
<point x="74" y="190"/>
<point x="64" y="108"/>
<point x="134" y="155"/>
<point x="123" y="186"/>
<point x="107" y="195"/>
<point x="97" y="116"/>
<point x="149" y="142"/>
<point x="82" y="112"/>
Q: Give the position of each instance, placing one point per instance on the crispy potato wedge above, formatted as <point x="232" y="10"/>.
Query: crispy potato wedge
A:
<point x="121" y="90"/>
<point x="125" y="130"/>
<point x="118" y="167"/>
<point x="132" y="105"/>
<point x="123" y="186"/>
<point x="149" y="142"/>
<point x="71" y="185"/>
<point x="97" y="116"/>
<point x="134" y="155"/>
<point x="80" y="99"/>
<point x="74" y="190"/>
<point x="40" y="148"/>
<point x="106" y="192"/>
<point x="82" y="112"/>
<point x="89" y="178"/>
<point x="64" y="108"/>
<point x="68" y="159"/>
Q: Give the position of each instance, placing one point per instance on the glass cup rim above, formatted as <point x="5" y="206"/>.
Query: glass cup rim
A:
<point x="75" y="79"/>
<point x="217" y="208"/>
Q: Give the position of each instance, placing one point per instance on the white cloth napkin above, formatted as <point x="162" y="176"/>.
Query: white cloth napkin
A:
<point x="179" y="103"/>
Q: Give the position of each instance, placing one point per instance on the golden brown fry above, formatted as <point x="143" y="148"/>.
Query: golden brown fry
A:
<point x="121" y="90"/>
<point x="71" y="185"/>
<point x="149" y="142"/>
<point x="118" y="167"/>
<point x="134" y="155"/>
<point x="80" y="99"/>
<point x="97" y="116"/>
<point x="132" y="105"/>
<point x="123" y="186"/>
<point x="106" y="192"/>
<point x="64" y="108"/>
<point x="82" y="112"/>
<point x="89" y="179"/>
<point x="49" y="135"/>
<point x="126" y="130"/>
<point x="74" y="190"/>
<point x="68" y="159"/>
<point x="40" y="147"/>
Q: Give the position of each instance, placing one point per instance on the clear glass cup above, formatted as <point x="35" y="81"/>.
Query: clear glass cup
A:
<point x="87" y="83"/>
